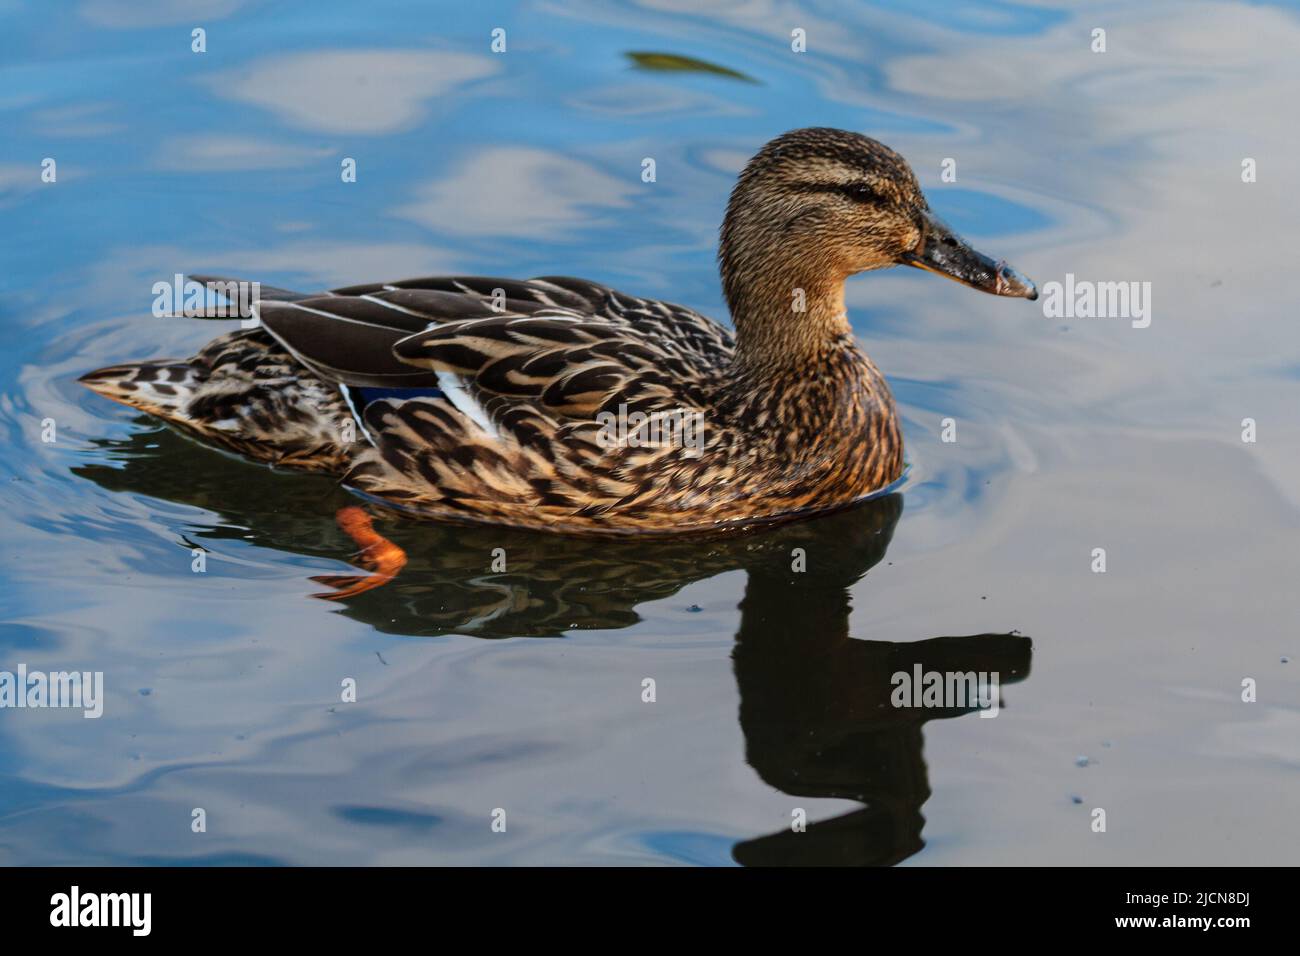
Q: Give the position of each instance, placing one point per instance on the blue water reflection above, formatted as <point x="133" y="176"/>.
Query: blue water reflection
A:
<point x="1070" y="436"/>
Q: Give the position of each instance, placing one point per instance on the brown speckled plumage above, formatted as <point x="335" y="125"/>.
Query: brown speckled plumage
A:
<point x="796" y="419"/>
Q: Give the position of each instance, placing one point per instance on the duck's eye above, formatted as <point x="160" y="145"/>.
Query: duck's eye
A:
<point x="861" y="192"/>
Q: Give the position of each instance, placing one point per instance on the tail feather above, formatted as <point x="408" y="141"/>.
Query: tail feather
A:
<point x="245" y="393"/>
<point x="162" y="387"/>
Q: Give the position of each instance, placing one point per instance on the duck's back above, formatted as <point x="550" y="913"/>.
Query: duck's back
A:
<point x="483" y="398"/>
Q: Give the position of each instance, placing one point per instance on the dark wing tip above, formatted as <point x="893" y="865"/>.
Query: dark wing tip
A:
<point x="266" y="293"/>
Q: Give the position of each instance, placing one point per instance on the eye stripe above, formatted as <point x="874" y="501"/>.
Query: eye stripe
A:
<point x="859" y="191"/>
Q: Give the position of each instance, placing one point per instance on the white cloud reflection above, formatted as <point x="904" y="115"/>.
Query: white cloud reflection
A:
<point x="352" y="91"/>
<point x="518" y="191"/>
<point x="217" y="153"/>
<point x="17" y="180"/>
<point x="132" y="14"/>
<point x="77" y="120"/>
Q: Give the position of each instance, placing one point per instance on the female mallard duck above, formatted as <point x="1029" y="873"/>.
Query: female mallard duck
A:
<point x="563" y="405"/>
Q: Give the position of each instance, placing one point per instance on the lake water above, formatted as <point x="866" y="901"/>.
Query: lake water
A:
<point x="521" y="691"/>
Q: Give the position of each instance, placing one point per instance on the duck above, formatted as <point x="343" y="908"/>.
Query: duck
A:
<point x="562" y="405"/>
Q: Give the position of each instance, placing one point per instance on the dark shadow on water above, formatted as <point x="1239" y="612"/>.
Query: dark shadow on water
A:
<point x="815" y="703"/>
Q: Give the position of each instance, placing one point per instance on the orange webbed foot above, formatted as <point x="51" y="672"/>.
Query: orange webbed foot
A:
<point x="377" y="555"/>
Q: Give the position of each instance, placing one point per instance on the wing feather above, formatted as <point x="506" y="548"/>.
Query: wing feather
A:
<point x="513" y="376"/>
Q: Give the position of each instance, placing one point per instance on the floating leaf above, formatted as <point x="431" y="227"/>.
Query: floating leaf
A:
<point x="675" y="63"/>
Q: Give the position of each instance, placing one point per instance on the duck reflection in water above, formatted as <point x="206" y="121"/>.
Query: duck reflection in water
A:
<point x="815" y="703"/>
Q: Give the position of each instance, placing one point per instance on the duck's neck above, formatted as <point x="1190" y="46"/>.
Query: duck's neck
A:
<point x="786" y="321"/>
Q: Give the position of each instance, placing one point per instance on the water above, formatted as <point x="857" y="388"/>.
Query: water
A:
<point x="522" y="690"/>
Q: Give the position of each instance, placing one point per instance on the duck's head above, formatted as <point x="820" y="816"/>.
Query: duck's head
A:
<point x="818" y="205"/>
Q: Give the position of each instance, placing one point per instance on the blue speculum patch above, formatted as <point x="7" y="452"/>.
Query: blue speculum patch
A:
<point x="362" y="396"/>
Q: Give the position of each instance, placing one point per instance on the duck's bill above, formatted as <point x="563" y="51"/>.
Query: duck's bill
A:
<point x="948" y="254"/>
